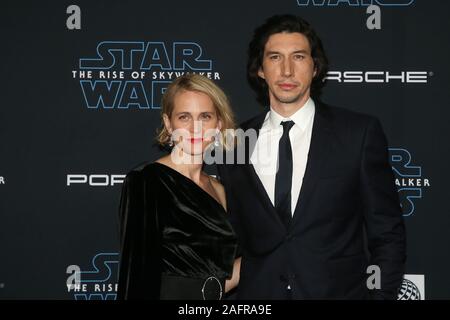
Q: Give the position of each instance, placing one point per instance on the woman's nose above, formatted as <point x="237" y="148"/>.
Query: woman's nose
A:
<point x="197" y="127"/>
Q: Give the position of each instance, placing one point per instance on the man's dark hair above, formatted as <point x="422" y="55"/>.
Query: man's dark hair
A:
<point x="277" y="24"/>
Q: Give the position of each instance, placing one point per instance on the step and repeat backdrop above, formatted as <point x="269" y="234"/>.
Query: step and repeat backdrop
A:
<point x="81" y="83"/>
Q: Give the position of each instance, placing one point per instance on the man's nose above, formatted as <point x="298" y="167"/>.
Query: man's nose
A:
<point x="287" y="68"/>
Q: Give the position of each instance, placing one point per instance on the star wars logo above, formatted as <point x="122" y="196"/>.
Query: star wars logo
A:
<point x="355" y="3"/>
<point x="98" y="282"/>
<point x="408" y="179"/>
<point x="135" y="74"/>
<point x="372" y="7"/>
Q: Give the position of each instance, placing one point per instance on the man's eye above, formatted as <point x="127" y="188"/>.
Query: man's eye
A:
<point x="299" y="57"/>
<point x="274" y="57"/>
<point x="183" y="117"/>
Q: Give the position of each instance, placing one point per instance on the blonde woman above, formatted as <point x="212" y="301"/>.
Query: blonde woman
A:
<point x="176" y="241"/>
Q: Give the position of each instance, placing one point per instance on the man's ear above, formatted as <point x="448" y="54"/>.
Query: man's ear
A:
<point x="167" y="123"/>
<point x="315" y="68"/>
<point x="261" y="73"/>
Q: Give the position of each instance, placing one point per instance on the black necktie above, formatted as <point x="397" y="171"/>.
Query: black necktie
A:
<point x="283" y="179"/>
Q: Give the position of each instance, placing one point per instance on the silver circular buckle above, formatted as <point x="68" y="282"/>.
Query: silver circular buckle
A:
<point x="220" y="286"/>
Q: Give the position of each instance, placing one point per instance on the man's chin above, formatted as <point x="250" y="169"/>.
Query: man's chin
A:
<point x="289" y="100"/>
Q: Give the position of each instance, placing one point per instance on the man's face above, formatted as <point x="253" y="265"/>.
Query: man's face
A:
<point x="288" y="68"/>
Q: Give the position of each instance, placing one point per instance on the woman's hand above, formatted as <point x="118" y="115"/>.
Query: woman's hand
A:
<point x="234" y="281"/>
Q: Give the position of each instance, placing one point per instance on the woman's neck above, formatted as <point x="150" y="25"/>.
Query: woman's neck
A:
<point x="188" y="165"/>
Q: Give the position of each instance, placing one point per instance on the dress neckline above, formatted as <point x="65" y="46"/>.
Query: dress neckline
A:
<point x="192" y="182"/>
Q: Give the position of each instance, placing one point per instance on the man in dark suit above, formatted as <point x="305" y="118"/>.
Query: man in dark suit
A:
<point x="314" y="203"/>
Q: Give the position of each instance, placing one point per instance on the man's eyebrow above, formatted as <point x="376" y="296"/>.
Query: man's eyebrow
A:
<point x="301" y="51"/>
<point x="277" y="52"/>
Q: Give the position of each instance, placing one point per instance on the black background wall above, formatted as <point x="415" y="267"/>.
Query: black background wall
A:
<point x="67" y="141"/>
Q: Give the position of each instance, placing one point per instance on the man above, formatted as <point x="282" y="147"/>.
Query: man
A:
<point x="315" y="203"/>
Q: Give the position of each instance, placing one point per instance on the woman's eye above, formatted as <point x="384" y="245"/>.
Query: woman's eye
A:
<point x="206" y="116"/>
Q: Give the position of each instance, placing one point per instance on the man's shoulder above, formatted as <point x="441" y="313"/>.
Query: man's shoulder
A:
<point x="337" y="113"/>
<point x="344" y="117"/>
<point x="342" y="113"/>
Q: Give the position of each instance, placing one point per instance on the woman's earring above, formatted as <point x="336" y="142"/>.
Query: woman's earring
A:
<point x="170" y="141"/>
<point x="217" y="140"/>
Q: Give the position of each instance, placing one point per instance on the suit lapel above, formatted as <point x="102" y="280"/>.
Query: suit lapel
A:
<point x="249" y="169"/>
<point x="318" y="154"/>
<point x="319" y="150"/>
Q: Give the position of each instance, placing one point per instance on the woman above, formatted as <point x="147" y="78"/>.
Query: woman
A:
<point x="176" y="241"/>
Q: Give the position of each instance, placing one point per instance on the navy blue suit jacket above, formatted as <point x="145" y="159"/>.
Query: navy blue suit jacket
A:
<point x="347" y="217"/>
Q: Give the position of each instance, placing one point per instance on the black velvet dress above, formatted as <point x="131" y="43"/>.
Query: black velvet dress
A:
<point x="176" y="241"/>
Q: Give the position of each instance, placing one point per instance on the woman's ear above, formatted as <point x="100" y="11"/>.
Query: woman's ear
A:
<point x="167" y="123"/>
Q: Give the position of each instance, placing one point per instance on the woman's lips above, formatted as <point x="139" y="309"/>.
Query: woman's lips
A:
<point x="196" y="140"/>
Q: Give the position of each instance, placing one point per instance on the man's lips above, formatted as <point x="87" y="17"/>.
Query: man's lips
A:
<point x="287" y="86"/>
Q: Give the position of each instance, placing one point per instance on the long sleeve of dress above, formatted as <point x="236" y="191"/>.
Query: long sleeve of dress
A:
<point x="140" y="243"/>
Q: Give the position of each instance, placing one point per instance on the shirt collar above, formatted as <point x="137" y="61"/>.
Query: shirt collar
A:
<point x="301" y="117"/>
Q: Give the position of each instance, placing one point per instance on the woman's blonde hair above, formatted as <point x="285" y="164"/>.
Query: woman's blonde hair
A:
<point x="195" y="82"/>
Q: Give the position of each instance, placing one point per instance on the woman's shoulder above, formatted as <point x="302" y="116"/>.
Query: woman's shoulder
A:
<point x="145" y="170"/>
<point x="141" y="168"/>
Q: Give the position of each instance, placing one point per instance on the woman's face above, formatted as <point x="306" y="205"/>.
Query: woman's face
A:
<point x="194" y="121"/>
